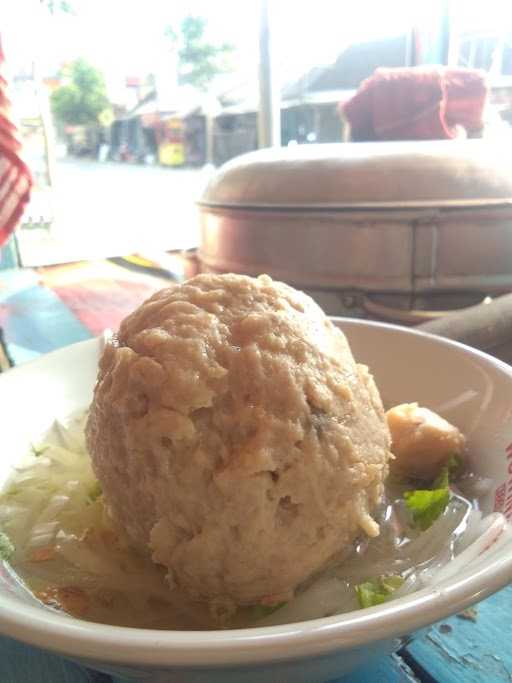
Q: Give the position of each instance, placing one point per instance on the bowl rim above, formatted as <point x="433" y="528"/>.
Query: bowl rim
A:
<point x="158" y="648"/>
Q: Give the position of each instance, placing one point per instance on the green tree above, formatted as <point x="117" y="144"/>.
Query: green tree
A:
<point x="57" y="6"/>
<point x="199" y="61"/>
<point x="83" y="99"/>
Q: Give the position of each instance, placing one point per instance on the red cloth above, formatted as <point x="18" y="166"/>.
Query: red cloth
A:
<point x="15" y="177"/>
<point x="418" y="103"/>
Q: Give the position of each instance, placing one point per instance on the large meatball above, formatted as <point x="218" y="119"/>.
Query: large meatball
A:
<point x="235" y="437"/>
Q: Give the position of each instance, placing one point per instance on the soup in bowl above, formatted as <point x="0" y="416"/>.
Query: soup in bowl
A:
<point x="335" y="620"/>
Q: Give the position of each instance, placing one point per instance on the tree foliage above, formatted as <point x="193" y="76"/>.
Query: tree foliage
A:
<point x="83" y="99"/>
<point x="58" y="6"/>
<point x="199" y="61"/>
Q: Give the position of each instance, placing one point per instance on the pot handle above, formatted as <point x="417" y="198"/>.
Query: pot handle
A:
<point x="486" y="326"/>
<point x="402" y="316"/>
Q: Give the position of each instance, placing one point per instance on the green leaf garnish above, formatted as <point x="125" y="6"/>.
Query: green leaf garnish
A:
<point x="426" y="505"/>
<point x="442" y="481"/>
<point x="370" y="593"/>
<point x="391" y="583"/>
<point x="38" y="450"/>
<point x="376" y="591"/>
<point x="95" y="491"/>
<point x="454" y="464"/>
<point x="6" y="547"/>
<point x="260" y="611"/>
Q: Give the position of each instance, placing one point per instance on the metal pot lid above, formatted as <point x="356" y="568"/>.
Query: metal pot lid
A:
<point x="437" y="173"/>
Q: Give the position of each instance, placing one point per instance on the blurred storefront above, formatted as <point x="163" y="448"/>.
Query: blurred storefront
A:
<point x="172" y="135"/>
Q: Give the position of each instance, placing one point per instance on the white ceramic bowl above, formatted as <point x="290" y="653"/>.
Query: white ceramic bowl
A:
<point x="469" y="388"/>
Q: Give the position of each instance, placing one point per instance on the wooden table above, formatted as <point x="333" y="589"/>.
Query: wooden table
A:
<point x="38" y="315"/>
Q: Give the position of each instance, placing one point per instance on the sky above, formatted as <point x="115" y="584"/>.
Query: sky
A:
<point x="126" y="37"/>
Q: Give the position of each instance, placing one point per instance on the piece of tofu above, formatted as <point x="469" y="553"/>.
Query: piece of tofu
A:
<point x="422" y="441"/>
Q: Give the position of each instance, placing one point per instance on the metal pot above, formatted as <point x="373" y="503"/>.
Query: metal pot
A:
<point x="368" y="228"/>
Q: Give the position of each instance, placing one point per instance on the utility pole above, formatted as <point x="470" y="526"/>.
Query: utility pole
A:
<point x="451" y="34"/>
<point x="269" y="114"/>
